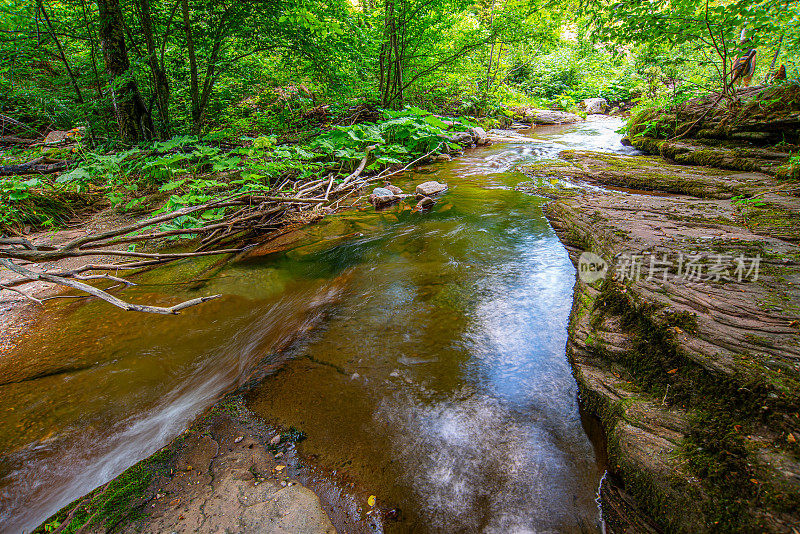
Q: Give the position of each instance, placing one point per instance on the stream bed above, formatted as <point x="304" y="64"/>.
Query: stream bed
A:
<point x="423" y="354"/>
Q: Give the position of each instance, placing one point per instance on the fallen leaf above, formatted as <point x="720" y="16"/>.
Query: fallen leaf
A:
<point x="754" y="481"/>
<point x="672" y="371"/>
<point x="280" y="467"/>
<point x="737" y="428"/>
<point x="790" y="438"/>
<point x="371" y="500"/>
<point x="237" y="440"/>
<point x="175" y="502"/>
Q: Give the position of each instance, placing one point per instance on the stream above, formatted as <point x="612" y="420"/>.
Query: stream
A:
<point x="423" y="354"/>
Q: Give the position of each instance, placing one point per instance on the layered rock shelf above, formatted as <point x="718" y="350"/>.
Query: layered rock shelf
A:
<point x="688" y="349"/>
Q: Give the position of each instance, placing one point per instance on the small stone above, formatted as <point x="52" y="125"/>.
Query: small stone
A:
<point x="382" y="192"/>
<point x="430" y="188"/>
<point x="280" y="467"/>
<point x="394" y="189"/>
<point x="238" y="439"/>
<point x="443" y="157"/>
<point x="275" y="439"/>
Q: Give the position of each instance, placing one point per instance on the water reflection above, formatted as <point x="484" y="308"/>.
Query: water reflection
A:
<point x="441" y="383"/>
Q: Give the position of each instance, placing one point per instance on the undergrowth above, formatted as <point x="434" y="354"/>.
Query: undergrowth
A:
<point x="190" y="170"/>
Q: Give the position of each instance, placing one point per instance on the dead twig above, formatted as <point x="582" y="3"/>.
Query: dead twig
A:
<point x="99" y="293"/>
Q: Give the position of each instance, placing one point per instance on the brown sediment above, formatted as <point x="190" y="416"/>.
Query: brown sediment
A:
<point x="697" y="383"/>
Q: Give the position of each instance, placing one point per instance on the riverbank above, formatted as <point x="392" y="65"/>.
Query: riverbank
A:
<point x="227" y="472"/>
<point x="687" y="348"/>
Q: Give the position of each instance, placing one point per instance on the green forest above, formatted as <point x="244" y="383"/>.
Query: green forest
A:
<point x="163" y="106"/>
<point x="273" y="87"/>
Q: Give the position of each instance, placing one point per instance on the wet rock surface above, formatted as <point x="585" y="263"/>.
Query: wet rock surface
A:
<point x="216" y="477"/>
<point x="694" y="373"/>
<point x="765" y="204"/>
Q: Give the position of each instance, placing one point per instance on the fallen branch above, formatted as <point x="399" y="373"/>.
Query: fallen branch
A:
<point x="252" y="214"/>
<point x="33" y="167"/>
<point x="355" y="174"/>
<point x="99" y="293"/>
<point x="11" y="140"/>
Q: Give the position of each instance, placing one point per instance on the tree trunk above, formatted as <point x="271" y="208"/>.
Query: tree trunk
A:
<point x="135" y="123"/>
<point x="193" y="85"/>
<point x="391" y="83"/>
<point x="160" y="82"/>
<point x="63" y="57"/>
<point x="92" y="49"/>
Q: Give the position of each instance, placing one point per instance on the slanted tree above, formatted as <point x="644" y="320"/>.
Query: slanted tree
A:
<point x="133" y="118"/>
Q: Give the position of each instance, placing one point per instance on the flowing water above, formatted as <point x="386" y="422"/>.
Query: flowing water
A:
<point x="422" y="353"/>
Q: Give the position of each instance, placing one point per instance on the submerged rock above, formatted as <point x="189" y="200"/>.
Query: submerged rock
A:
<point x="425" y="203"/>
<point x="427" y="189"/>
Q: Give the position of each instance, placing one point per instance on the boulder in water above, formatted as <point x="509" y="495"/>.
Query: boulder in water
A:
<point x="546" y="116"/>
<point x="430" y="188"/>
<point x="425" y="204"/>
<point x="382" y="196"/>
<point x="479" y="136"/>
